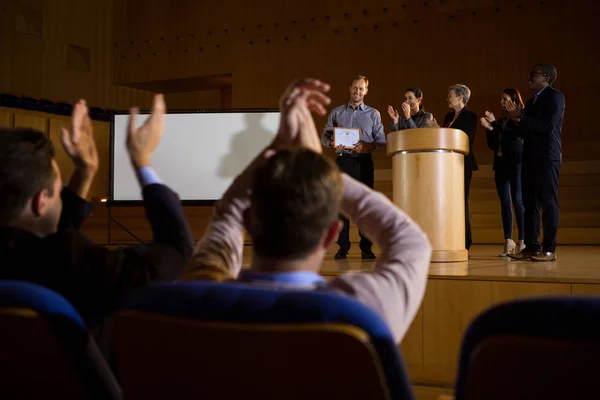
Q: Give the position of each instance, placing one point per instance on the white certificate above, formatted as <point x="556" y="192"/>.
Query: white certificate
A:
<point x="347" y="137"/>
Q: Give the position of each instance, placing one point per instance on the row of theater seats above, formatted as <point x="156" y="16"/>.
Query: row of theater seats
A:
<point x="204" y="340"/>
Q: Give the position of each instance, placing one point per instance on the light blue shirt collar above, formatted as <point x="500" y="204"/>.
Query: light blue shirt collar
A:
<point x="538" y="93"/>
<point x="297" y="278"/>
<point x="361" y="107"/>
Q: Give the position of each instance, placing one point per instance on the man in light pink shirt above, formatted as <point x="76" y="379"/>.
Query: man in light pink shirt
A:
<point x="289" y="199"/>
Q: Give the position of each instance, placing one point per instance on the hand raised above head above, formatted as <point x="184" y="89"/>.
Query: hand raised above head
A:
<point x="142" y="141"/>
<point x="79" y="142"/>
<point x="297" y="127"/>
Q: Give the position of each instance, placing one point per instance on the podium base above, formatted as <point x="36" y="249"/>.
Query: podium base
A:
<point x="449" y="255"/>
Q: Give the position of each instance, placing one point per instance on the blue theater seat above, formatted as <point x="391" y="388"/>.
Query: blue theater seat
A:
<point x="210" y="340"/>
<point x="536" y="348"/>
<point x="46" y="351"/>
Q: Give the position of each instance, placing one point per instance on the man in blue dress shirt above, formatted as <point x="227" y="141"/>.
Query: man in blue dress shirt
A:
<point x="357" y="161"/>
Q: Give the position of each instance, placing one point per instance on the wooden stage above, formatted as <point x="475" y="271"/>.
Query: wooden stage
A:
<point x="574" y="264"/>
<point x="457" y="292"/>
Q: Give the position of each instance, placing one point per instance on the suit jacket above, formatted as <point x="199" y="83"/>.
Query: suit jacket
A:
<point x="94" y="278"/>
<point x="541" y="127"/>
<point x="466" y="122"/>
<point x="504" y="138"/>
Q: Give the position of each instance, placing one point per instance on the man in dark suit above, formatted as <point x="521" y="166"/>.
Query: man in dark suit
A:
<point x="39" y="237"/>
<point x="540" y="125"/>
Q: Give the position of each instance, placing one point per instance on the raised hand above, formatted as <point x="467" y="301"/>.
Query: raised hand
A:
<point x="489" y="117"/>
<point x="406" y="110"/>
<point x="486" y="124"/>
<point x="79" y="142"/>
<point x="393" y="114"/>
<point x="142" y="141"/>
<point x="297" y="127"/>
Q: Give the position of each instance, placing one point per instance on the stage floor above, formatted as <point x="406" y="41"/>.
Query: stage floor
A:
<point x="573" y="264"/>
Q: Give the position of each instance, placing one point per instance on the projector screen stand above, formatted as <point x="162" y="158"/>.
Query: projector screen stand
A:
<point x="111" y="219"/>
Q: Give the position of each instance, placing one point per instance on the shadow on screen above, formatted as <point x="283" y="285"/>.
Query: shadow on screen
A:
<point x="245" y="146"/>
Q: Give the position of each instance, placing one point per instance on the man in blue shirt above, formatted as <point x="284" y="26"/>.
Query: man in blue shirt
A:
<point x="357" y="161"/>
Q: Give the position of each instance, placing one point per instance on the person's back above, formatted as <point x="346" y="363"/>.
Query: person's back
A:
<point x="40" y="241"/>
<point x="290" y="202"/>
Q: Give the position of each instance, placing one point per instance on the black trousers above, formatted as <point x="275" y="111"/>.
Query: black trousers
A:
<point x="508" y="184"/>
<point x="361" y="169"/>
<point x="540" y="192"/>
<point x="468" y="237"/>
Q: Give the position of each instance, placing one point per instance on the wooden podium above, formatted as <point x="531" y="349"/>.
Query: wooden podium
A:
<point x="428" y="184"/>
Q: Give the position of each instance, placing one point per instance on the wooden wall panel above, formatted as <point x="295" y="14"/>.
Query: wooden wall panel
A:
<point x="467" y="42"/>
<point x="35" y="64"/>
<point x="23" y="120"/>
<point x="6" y="117"/>
<point x="449" y="307"/>
<point x="62" y="158"/>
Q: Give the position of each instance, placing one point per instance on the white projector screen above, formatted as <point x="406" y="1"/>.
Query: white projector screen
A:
<point x="199" y="155"/>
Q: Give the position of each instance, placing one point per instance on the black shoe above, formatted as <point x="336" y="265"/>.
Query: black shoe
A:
<point x="341" y="255"/>
<point x="368" y="255"/>
<point x="524" y="255"/>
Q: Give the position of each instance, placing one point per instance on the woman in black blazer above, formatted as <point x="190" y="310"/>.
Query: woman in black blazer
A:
<point x="508" y="159"/>
<point x="465" y="120"/>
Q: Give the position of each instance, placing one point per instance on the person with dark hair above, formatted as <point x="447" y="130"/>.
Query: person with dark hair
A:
<point x="540" y="125"/>
<point x="466" y="120"/>
<point x="413" y="113"/>
<point x="289" y="199"/>
<point x="508" y="159"/>
<point x="40" y="241"/>
<point x="357" y="161"/>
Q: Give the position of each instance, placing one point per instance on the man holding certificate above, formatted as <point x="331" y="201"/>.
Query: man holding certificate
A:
<point x="355" y="131"/>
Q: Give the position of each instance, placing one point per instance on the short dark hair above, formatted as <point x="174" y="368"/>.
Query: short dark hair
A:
<point x="25" y="168"/>
<point x="358" y="78"/>
<point x="296" y="195"/>
<point x="515" y="96"/>
<point x="549" y="70"/>
<point x="418" y="94"/>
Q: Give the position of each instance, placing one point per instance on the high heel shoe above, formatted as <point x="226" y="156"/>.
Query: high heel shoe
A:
<point x="509" y="248"/>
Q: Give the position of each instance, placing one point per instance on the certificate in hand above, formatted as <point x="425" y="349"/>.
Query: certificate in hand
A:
<point x="347" y="137"/>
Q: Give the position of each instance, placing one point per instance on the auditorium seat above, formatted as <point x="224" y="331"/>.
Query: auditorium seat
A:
<point x="537" y="348"/>
<point x="46" y="351"/>
<point x="190" y="340"/>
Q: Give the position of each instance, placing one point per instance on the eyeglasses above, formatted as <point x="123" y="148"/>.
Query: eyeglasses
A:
<point x="532" y="74"/>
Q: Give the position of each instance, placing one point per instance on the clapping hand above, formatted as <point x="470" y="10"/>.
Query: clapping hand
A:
<point x="79" y="142"/>
<point x="142" y="141"/>
<point x="393" y="114"/>
<point x="486" y="124"/>
<point x="297" y="126"/>
<point x="431" y="123"/>
<point x="512" y="111"/>
<point x="406" y="110"/>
